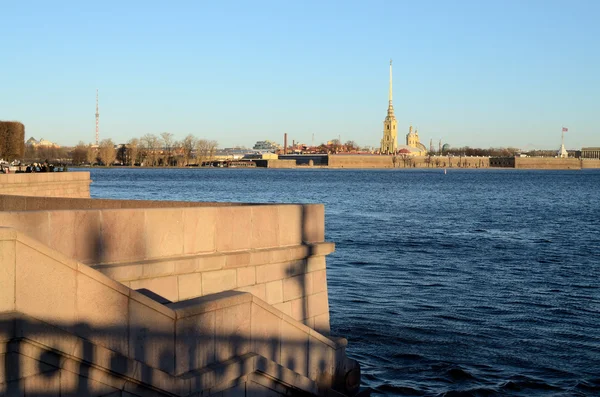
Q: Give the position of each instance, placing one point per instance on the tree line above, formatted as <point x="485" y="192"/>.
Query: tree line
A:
<point x="12" y="140"/>
<point x="148" y="151"/>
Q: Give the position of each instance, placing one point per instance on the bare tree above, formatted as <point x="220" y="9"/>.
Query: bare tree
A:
<point x="336" y="146"/>
<point x="107" y="152"/>
<point x="90" y="154"/>
<point x="151" y="145"/>
<point x="167" y="141"/>
<point x="133" y="150"/>
<point x="201" y="151"/>
<point x="178" y="154"/>
<point x="79" y="154"/>
<point x="351" y="146"/>
<point x="212" y="148"/>
<point x="187" y="147"/>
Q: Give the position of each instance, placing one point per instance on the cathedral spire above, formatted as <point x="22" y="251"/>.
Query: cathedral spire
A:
<point x="390" y="106"/>
<point x="390" y="82"/>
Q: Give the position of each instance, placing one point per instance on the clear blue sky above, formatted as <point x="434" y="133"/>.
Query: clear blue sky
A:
<point x="480" y="73"/>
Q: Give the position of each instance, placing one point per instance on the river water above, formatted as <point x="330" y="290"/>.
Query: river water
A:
<point x="473" y="283"/>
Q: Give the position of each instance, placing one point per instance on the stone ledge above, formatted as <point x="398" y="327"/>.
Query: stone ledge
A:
<point x="186" y="264"/>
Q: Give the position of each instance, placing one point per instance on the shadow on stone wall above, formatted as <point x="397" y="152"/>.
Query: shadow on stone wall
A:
<point x="35" y="362"/>
<point x="44" y="360"/>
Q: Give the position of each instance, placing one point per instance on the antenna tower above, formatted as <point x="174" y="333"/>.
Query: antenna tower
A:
<point x="97" y="119"/>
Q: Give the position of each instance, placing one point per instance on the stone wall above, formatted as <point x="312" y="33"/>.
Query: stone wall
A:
<point x="151" y="298"/>
<point x="400" y="161"/>
<point x="590" y="163"/>
<point x="66" y="329"/>
<point x="276" y="252"/>
<point x="547" y="163"/>
<point x="48" y="184"/>
<point x="359" y="161"/>
<point x="275" y="163"/>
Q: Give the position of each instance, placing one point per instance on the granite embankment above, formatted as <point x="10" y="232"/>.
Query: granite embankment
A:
<point x="375" y="161"/>
<point x="137" y="298"/>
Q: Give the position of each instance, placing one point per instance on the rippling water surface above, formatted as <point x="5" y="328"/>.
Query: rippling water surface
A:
<point x="478" y="282"/>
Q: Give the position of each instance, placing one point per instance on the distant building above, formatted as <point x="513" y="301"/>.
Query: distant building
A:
<point x="266" y="145"/>
<point x="590" y="153"/>
<point x="41" y="143"/>
<point x="389" y="142"/>
<point x="412" y="140"/>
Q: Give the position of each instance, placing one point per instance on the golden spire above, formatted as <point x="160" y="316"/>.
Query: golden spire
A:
<point x="390" y="106"/>
<point x="390" y="81"/>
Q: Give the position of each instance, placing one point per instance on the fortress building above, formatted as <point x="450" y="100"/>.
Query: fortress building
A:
<point x="389" y="143"/>
<point x="413" y="142"/>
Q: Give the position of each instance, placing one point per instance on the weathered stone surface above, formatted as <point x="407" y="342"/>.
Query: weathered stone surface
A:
<point x="217" y="281"/>
<point x="294" y="348"/>
<point x="151" y="336"/>
<point x="195" y="342"/>
<point x="258" y="290"/>
<point x="199" y="225"/>
<point x="296" y="287"/>
<point x="190" y="286"/>
<point x="234" y="229"/>
<point x="101" y="312"/>
<point x="313" y="223"/>
<point x="320" y="362"/>
<point x="122" y="235"/>
<point x="164" y="232"/>
<point x="265" y="226"/>
<point x="291" y="216"/>
<point x="274" y="291"/>
<point x="319" y="281"/>
<point x="45" y="288"/>
<point x="7" y="275"/>
<point x="266" y="331"/>
<point x="246" y="276"/>
<point x="232" y="331"/>
<point x="167" y="287"/>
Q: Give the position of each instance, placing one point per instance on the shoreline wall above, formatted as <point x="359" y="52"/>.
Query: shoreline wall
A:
<point x="590" y="163"/>
<point x="157" y="298"/>
<point x="66" y="329"/>
<point x="276" y="252"/>
<point x="547" y="163"/>
<point x="46" y="184"/>
<point x="399" y="161"/>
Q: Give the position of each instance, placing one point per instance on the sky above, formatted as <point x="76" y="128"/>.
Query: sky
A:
<point x="470" y="73"/>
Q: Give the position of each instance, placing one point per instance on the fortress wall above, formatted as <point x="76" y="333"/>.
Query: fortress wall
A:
<point x="359" y="161"/>
<point x="442" y="162"/>
<point x="281" y="163"/>
<point x="65" y="314"/>
<point x="49" y="184"/>
<point x="276" y="252"/>
<point x="590" y="163"/>
<point x="547" y="163"/>
<point x="406" y="161"/>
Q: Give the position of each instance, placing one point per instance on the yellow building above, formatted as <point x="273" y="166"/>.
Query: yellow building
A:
<point x="412" y="140"/>
<point x="389" y="143"/>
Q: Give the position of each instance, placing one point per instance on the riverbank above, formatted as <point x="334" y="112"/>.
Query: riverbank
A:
<point x="350" y="161"/>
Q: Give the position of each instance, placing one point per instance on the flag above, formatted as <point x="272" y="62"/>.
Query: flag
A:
<point x="565" y="129"/>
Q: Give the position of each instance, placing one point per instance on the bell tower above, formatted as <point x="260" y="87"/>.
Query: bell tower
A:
<point x="389" y="143"/>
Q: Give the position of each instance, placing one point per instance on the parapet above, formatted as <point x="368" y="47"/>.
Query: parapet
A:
<point x="116" y="297"/>
<point x="46" y="184"/>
